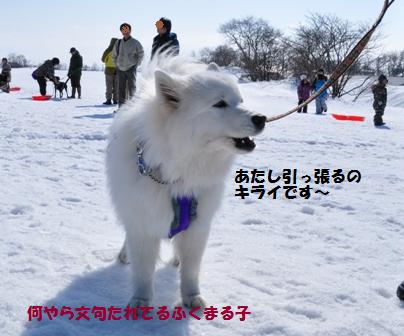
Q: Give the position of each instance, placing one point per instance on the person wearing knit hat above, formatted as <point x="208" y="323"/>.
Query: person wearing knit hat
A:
<point x="74" y="72"/>
<point x="127" y="55"/>
<point x="318" y="83"/>
<point x="303" y="92"/>
<point x="165" y="40"/>
<point x="380" y="99"/>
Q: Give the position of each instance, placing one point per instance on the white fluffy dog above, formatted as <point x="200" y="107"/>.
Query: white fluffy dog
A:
<point x="168" y="156"/>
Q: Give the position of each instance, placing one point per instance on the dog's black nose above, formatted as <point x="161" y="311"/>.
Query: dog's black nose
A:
<point x="259" y="121"/>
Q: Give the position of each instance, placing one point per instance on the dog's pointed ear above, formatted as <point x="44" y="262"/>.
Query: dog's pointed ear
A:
<point x="167" y="87"/>
<point x="213" y="67"/>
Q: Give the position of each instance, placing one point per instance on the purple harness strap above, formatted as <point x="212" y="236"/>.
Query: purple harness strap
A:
<point x="184" y="212"/>
<point x="184" y="207"/>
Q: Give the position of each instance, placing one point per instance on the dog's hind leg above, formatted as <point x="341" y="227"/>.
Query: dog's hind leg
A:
<point x="174" y="261"/>
<point x="123" y="254"/>
<point x="143" y="253"/>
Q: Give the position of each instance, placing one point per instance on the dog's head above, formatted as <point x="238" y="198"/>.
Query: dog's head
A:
<point x="205" y="109"/>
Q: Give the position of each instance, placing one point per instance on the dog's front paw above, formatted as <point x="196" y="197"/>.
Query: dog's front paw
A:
<point x="139" y="302"/>
<point x="194" y="301"/>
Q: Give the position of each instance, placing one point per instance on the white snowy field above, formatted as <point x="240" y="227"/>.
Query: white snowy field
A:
<point x="329" y="265"/>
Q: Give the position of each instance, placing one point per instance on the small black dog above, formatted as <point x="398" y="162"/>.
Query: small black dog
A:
<point x="60" y="86"/>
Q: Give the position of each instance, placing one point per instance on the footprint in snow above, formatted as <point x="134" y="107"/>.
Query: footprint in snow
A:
<point x="72" y="199"/>
<point x="307" y="210"/>
<point x="105" y="255"/>
<point x="347" y="208"/>
<point x="345" y="299"/>
<point x="383" y="292"/>
<point x="306" y="312"/>
<point x="28" y="270"/>
<point x="253" y="221"/>
<point x="20" y="210"/>
<point x="328" y="205"/>
<point x="53" y="179"/>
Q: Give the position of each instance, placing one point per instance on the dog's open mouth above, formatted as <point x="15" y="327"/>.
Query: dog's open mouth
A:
<point x="246" y="144"/>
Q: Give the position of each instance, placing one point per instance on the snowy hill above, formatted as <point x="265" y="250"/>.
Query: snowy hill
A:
<point x="328" y="265"/>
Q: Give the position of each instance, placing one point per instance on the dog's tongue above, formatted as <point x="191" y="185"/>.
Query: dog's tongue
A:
<point x="244" y="143"/>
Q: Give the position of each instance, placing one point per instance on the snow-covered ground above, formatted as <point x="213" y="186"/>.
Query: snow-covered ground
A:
<point x="324" y="266"/>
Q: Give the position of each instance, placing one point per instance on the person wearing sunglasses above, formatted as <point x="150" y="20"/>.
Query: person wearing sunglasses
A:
<point x="165" y="40"/>
<point x="127" y="55"/>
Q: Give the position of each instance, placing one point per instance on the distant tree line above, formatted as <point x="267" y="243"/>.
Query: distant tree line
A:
<point x="17" y="61"/>
<point x="391" y="64"/>
<point x="20" y="61"/>
<point x="264" y="52"/>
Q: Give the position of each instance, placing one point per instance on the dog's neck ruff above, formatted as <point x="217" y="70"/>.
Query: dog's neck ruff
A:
<point x="184" y="207"/>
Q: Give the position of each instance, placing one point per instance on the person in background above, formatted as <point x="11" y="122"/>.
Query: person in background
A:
<point x="45" y="71"/>
<point x="110" y="74"/>
<point x="127" y="55"/>
<point x="380" y="100"/>
<point x="74" y="72"/>
<point x="5" y="75"/>
<point x="320" y="80"/>
<point x="165" y="39"/>
<point x="303" y="92"/>
<point x="400" y="291"/>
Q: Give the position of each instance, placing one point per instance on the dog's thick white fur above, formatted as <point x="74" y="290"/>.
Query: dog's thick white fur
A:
<point x="191" y="122"/>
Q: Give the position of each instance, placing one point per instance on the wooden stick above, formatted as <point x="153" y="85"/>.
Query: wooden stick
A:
<point x="343" y="66"/>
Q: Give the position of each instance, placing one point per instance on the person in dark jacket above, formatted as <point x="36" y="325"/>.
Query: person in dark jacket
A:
<point x="74" y="72"/>
<point x="380" y="100"/>
<point x="303" y="92"/>
<point x="320" y="80"/>
<point x="45" y="71"/>
<point x="110" y="74"/>
<point x="165" y="39"/>
<point x="400" y="291"/>
<point x="5" y="68"/>
<point x="5" y="75"/>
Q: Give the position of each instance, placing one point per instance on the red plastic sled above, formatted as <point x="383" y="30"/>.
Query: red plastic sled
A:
<point x="348" y="117"/>
<point x="15" y="88"/>
<point x="39" y="98"/>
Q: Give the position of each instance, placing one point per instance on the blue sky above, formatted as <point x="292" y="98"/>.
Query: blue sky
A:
<point x="47" y="28"/>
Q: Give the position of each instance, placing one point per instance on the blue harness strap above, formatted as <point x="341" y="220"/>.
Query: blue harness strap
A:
<point x="184" y="212"/>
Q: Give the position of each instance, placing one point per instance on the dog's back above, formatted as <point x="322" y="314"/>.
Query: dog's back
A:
<point x="60" y="86"/>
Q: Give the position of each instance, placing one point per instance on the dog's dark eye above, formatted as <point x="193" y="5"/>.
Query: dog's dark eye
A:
<point x="221" y="104"/>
